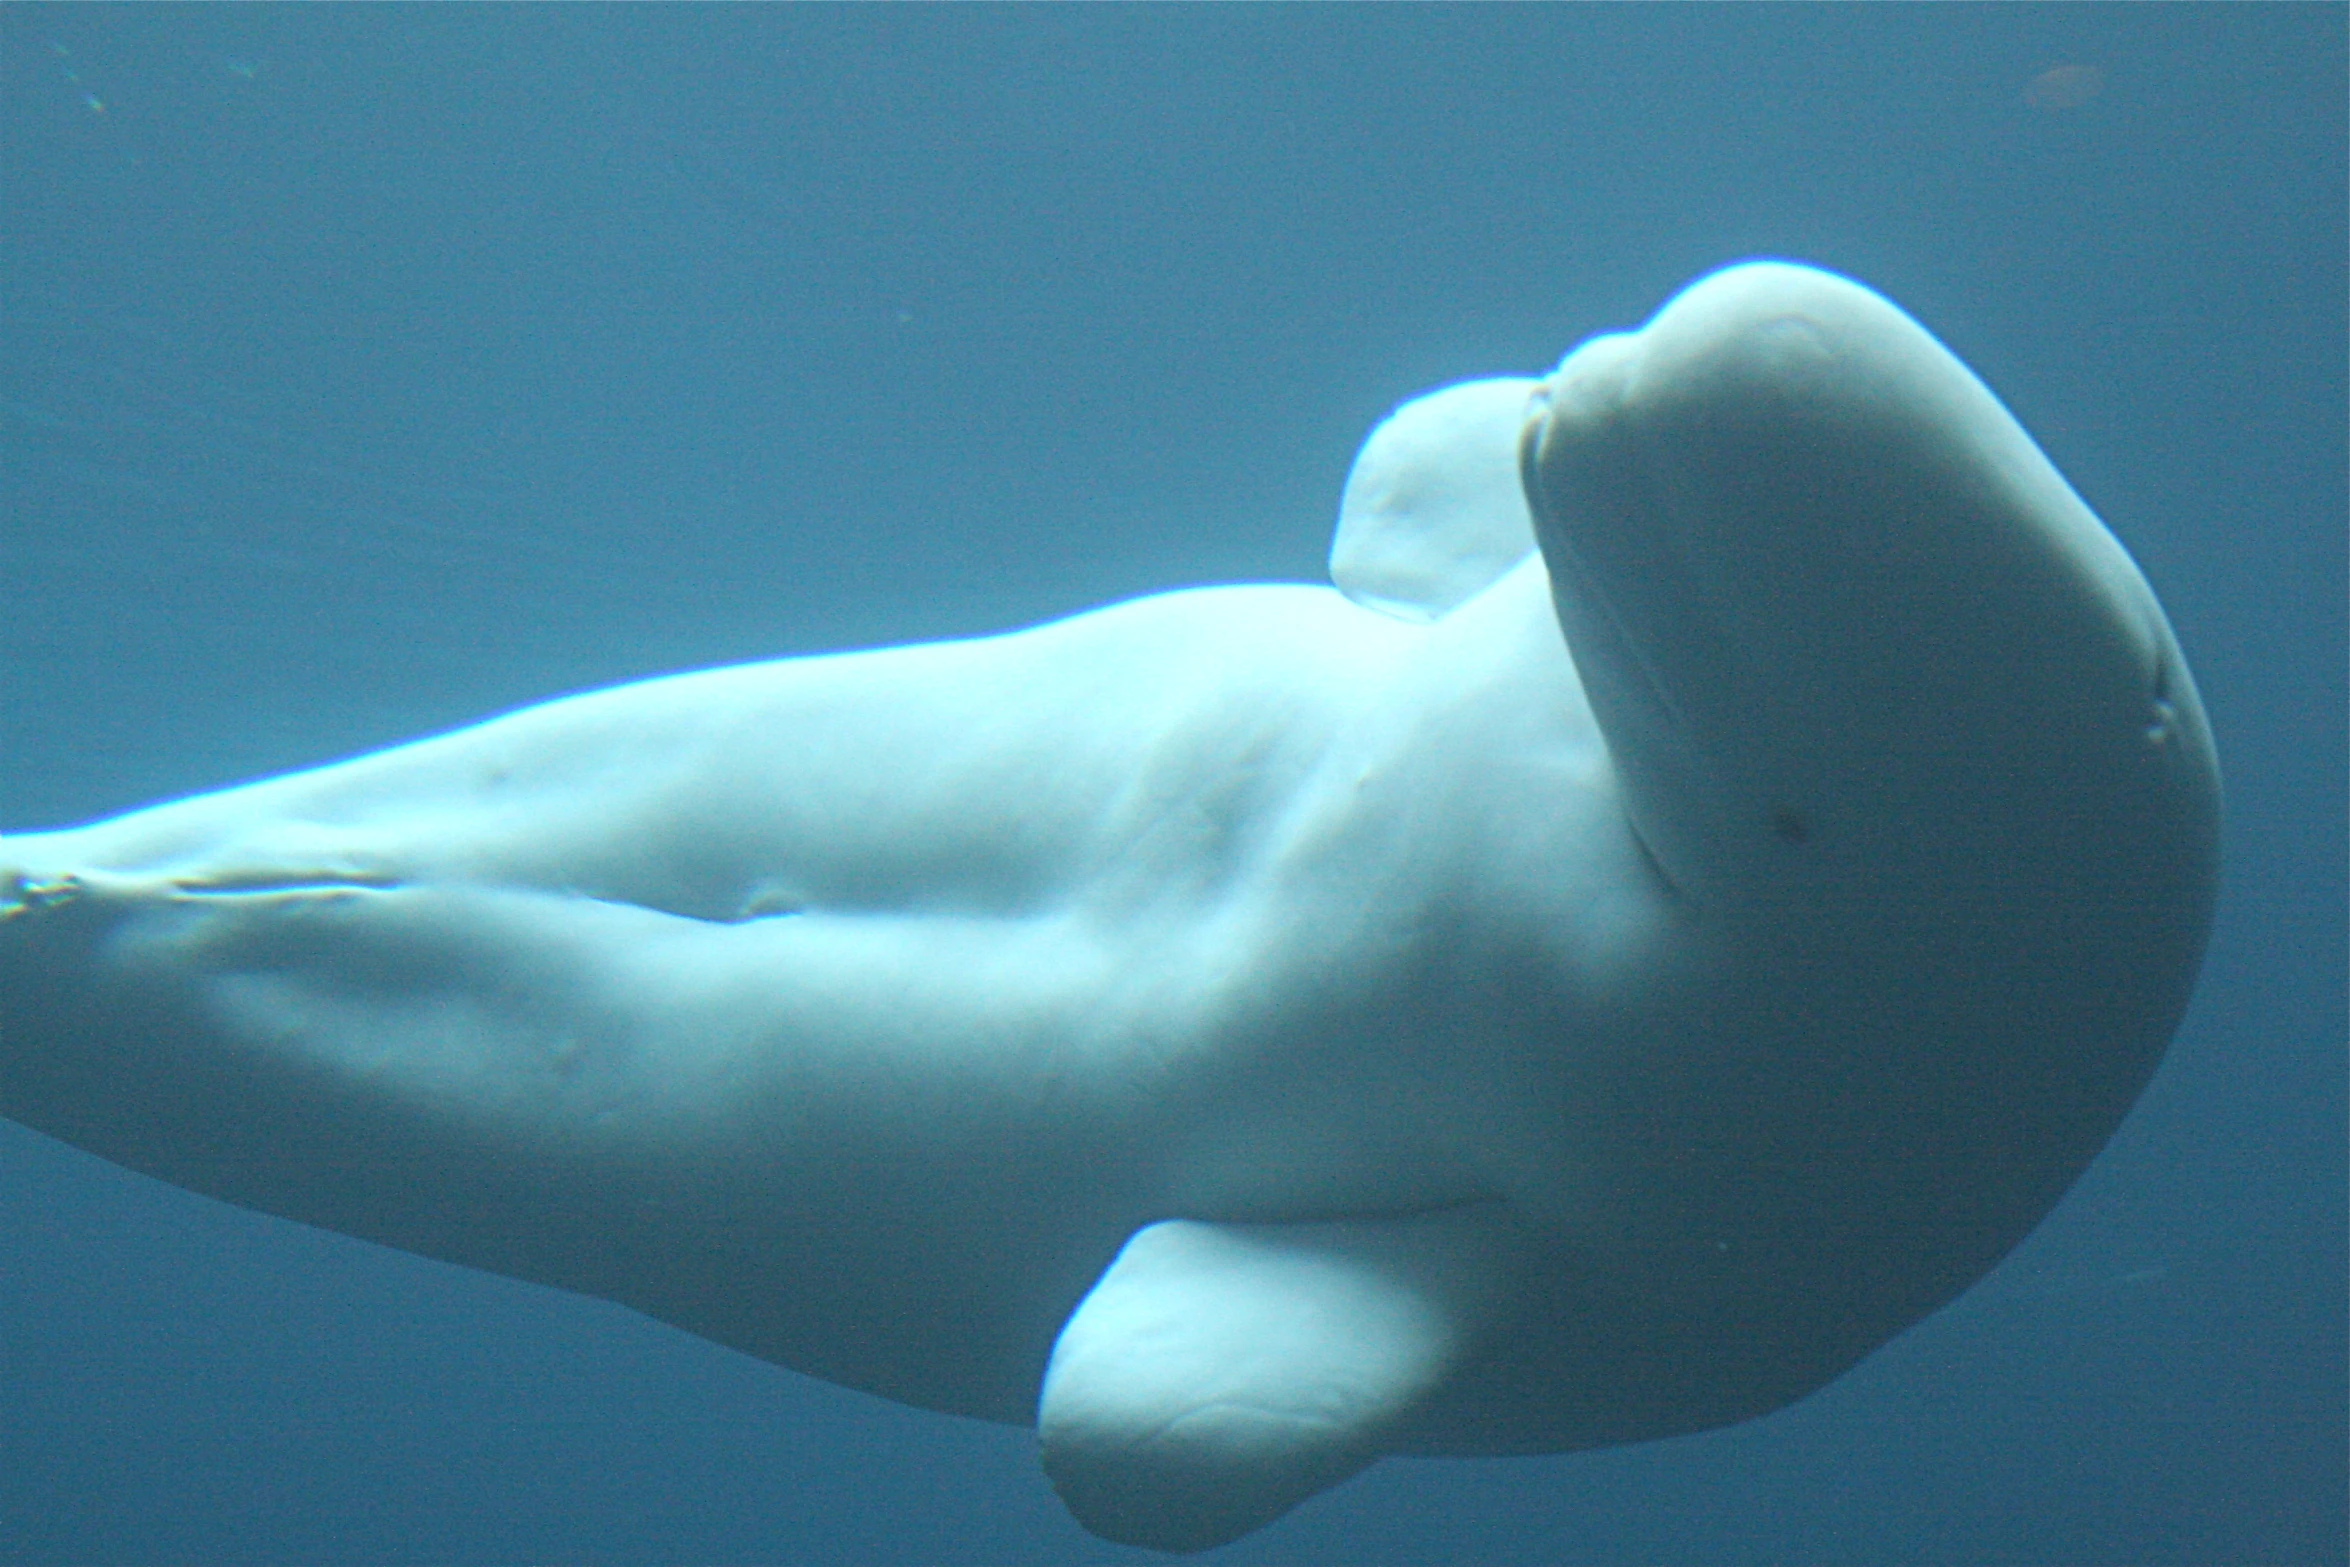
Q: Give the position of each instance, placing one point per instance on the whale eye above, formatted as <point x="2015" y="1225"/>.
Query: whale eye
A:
<point x="1789" y="827"/>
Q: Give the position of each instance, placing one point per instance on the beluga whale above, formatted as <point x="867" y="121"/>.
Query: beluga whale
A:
<point x="1723" y="856"/>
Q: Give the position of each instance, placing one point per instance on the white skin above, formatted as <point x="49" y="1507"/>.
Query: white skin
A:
<point x="1756" y="975"/>
<point x="1038" y="939"/>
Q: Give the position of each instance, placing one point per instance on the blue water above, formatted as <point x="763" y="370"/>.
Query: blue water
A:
<point x="367" y="371"/>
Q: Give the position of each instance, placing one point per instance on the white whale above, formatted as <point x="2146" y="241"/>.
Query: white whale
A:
<point x="1253" y="1030"/>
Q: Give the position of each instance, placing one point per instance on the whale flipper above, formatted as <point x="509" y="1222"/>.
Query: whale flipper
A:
<point x="1433" y="512"/>
<point x="1219" y="1374"/>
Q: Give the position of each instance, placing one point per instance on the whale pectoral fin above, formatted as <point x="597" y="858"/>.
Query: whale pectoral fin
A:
<point x="1219" y="1374"/>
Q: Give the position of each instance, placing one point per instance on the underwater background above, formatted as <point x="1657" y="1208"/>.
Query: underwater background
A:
<point x="367" y="371"/>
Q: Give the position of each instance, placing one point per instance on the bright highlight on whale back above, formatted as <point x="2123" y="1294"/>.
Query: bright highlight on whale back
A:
<point x="1729" y="850"/>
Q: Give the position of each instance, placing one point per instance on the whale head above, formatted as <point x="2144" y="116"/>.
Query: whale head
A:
<point x="1901" y="724"/>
